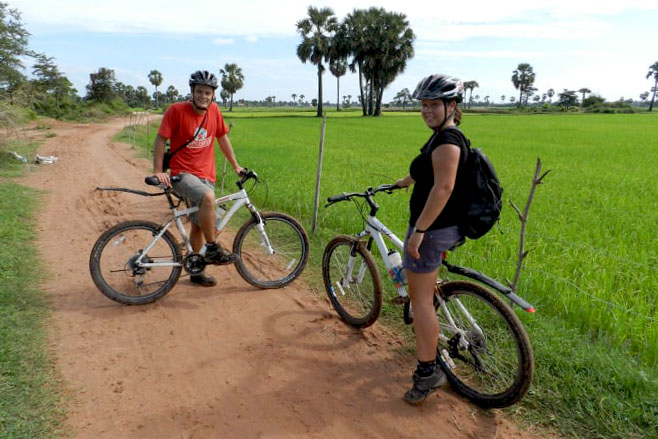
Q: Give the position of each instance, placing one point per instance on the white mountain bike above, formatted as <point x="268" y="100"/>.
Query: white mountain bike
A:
<point x="483" y="347"/>
<point x="138" y="262"/>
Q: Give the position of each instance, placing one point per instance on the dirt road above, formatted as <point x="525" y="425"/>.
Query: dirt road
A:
<point x="225" y="362"/>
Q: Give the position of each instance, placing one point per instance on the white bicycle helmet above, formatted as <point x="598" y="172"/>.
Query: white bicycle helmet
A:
<point x="440" y="86"/>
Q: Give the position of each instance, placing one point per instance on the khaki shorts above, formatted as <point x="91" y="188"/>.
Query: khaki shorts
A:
<point x="192" y="189"/>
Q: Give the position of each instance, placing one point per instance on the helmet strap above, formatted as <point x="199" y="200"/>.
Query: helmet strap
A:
<point x="446" y="117"/>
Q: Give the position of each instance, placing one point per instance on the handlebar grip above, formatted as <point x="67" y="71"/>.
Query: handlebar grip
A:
<point x="335" y="198"/>
<point x="152" y="180"/>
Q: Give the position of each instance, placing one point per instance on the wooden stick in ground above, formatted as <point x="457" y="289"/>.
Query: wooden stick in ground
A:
<point x="230" y="125"/>
<point x="523" y="217"/>
<point x="317" y="181"/>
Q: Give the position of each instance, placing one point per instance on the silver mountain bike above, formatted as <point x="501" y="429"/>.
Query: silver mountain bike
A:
<point x="483" y="347"/>
<point x="138" y="262"/>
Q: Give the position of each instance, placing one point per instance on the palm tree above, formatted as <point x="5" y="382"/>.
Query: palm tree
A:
<point x="550" y="94"/>
<point x="172" y="93"/>
<point x="380" y="43"/>
<point x="156" y="79"/>
<point x="470" y="85"/>
<point x="301" y="99"/>
<point x="294" y="98"/>
<point x="523" y="78"/>
<point x="316" y="31"/>
<point x="338" y="68"/>
<point x="584" y="91"/>
<point x="232" y="80"/>
<point x="653" y="71"/>
<point x="224" y="95"/>
<point x="502" y="98"/>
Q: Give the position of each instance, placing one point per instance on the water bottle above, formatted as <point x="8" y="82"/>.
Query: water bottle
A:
<point x="396" y="271"/>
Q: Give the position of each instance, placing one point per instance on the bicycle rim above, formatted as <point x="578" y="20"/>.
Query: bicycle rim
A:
<point x="263" y="268"/>
<point x="118" y="276"/>
<point x="487" y="357"/>
<point x="352" y="282"/>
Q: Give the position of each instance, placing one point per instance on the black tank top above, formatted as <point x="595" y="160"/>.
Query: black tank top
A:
<point x="422" y="172"/>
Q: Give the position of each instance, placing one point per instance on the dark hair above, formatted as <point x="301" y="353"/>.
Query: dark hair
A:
<point x="458" y="115"/>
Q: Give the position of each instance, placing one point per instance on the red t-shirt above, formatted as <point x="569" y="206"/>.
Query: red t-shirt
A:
<point x="179" y="124"/>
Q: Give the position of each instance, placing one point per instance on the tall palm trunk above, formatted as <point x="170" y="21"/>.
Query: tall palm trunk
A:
<point x="653" y="98"/>
<point x="378" y="103"/>
<point x="363" y="98"/>
<point x="370" y="97"/>
<point x="319" y="113"/>
<point x="337" y="93"/>
<point x="231" y="107"/>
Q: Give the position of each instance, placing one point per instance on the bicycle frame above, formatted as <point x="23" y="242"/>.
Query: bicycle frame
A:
<point x="376" y="230"/>
<point x="239" y="199"/>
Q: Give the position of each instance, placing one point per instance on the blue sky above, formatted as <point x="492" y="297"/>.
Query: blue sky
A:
<point x="605" y="46"/>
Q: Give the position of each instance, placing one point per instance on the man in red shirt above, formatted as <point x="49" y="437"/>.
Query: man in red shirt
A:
<point x="193" y="126"/>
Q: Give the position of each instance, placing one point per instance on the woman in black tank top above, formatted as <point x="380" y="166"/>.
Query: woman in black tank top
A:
<point x="433" y="223"/>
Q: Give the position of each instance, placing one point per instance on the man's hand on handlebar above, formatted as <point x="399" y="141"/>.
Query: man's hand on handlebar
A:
<point x="163" y="178"/>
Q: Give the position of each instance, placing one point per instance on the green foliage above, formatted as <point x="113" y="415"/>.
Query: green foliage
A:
<point x="29" y="406"/>
<point x="317" y="31"/>
<point x="380" y="44"/>
<point x="523" y="79"/>
<point x="232" y="80"/>
<point x="13" y="46"/>
<point x="102" y="85"/>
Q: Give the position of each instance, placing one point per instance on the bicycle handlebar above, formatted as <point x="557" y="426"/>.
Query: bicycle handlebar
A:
<point x="369" y="192"/>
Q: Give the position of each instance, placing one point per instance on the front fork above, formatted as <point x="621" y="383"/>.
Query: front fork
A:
<point x="260" y="226"/>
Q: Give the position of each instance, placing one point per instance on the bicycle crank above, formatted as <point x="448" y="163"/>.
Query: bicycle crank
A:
<point x="194" y="264"/>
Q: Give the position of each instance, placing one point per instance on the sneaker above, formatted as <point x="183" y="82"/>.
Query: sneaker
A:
<point x="203" y="279"/>
<point x="216" y="255"/>
<point x="423" y="386"/>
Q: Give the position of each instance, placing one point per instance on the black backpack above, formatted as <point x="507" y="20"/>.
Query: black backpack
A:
<point x="482" y="195"/>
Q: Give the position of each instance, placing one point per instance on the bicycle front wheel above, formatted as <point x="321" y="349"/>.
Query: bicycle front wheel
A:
<point x="115" y="268"/>
<point x="352" y="281"/>
<point x="483" y="347"/>
<point x="273" y="255"/>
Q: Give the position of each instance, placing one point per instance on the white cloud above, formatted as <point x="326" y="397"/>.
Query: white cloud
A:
<point x="223" y="41"/>
<point x="251" y="38"/>
<point x="265" y="18"/>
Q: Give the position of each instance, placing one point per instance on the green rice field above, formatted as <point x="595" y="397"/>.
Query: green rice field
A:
<point x="593" y="258"/>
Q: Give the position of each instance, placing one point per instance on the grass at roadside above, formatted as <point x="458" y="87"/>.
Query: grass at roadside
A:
<point x="591" y="269"/>
<point x="29" y="390"/>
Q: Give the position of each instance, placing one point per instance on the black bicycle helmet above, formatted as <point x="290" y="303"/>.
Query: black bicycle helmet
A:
<point x="203" y="77"/>
<point x="439" y="87"/>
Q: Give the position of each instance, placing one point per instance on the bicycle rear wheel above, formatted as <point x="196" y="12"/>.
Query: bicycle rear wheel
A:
<point x="113" y="263"/>
<point x="487" y="355"/>
<point x="352" y="281"/>
<point x="257" y="265"/>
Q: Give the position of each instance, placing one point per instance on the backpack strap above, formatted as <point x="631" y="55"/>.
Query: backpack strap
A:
<point x="193" y="137"/>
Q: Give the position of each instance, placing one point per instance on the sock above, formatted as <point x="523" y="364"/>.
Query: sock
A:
<point x="425" y="368"/>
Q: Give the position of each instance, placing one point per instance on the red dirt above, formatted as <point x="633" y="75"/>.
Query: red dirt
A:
<point x="224" y="362"/>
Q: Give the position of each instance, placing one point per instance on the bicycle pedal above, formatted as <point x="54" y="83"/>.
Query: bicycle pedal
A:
<point x="399" y="300"/>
